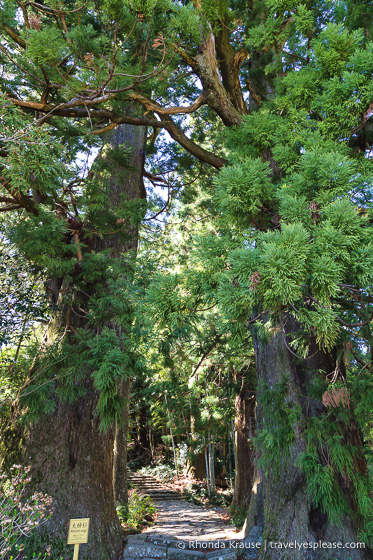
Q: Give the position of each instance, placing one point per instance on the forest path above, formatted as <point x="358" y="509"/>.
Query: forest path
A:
<point x="182" y="520"/>
<point x="184" y="531"/>
<point x="178" y="518"/>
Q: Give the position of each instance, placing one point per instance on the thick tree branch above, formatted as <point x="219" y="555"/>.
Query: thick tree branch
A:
<point x="230" y="63"/>
<point x="13" y="35"/>
<point x="185" y="56"/>
<point x="177" y="134"/>
<point x="205" y="66"/>
<point x="9" y="208"/>
<point x="18" y="198"/>
<point x="72" y="109"/>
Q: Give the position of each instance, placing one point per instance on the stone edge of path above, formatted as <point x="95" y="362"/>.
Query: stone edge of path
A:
<point x="143" y="547"/>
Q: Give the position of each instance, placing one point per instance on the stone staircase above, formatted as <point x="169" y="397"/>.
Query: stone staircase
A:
<point x="147" y="484"/>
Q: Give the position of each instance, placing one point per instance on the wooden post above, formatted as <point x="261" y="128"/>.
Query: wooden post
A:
<point x="76" y="551"/>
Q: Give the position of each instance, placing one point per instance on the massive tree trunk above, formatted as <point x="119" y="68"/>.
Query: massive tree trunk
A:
<point x="244" y="431"/>
<point x="281" y="509"/>
<point x="72" y="461"/>
<point x="71" y="458"/>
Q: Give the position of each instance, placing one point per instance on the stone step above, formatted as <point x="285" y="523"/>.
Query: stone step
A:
<point x="142" y="478"/>
<point x="165" y="498"/>
<point x="146" y="483"/>
<point x="150" y="489"/>
<point x="152" y="486"/>
<point x="142" y="483"/>
<point x="160" y="496"/>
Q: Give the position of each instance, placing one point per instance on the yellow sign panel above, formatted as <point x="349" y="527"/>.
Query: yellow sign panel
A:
<point x="78" y="531"/>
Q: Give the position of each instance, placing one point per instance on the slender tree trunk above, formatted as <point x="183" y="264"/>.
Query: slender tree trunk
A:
<point x="208" y="479"/>
<point x="212" y="466"/>
<point x="231" y="457"/>
<point x="192" y="439"/>
<point x="71" y="458"/>
<point x="244" y="433"/>
<point x="196" y="461"/>
<point x="143" y="431"/>
<point x="280" y="507"/>
<point x="172" y="438"/>
<point x="120" y="474"/>
<point x="141" y="415"/>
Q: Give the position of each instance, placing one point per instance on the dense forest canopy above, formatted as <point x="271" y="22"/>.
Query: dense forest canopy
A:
<point x="186" y="209"/>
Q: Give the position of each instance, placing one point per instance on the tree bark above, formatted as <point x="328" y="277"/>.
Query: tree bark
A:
<point x="244" y="432"/>
<point x="230" y="63"/>
<point x="134" y="138"/>
<point x="120" y="474"/>
<point x="72" y="461"/>
<point x="280" y="507"/>
<point x="71" y="458"/>
<point x="211" y="449"/>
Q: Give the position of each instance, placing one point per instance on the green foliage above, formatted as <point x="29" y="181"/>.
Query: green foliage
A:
<point x="40" y="546"/>
<point x="196" y="493"/>
<point x="46" y="46"/>
<point x="323" y="240"/>
<point x="163" y="471"/>
<point x="20" y="514"/>
<point x="22" y="300"/>
<point x="184" y="25"/>
<point x="282" y="415"/>
<point x="242" y="189"/>
<point x="215" y="12"/>
<point x="33" y="161"/>
<point x="282" y="265"/>
<point x="141" y="511"/>
<point x="334" y="46"/>
<point x="326" y="460"/>
<point x="147" y="9"/>
<point x="239" y="518"/>
<point x="42" y="239"/>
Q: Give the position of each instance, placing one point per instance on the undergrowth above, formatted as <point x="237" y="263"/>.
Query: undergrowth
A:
<point x="141" y="511"/>
<point x="164" y="472"/>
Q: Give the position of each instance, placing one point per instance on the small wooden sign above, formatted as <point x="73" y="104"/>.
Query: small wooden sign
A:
<point x="78" y="534"/>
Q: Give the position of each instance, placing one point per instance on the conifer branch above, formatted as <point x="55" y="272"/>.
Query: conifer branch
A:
<point x="353" y="325"/>
<point x="19" y="198"/>
<point x="13" y="35"/>
<point x="9" y="208"/>
<point x="152" y="105"/>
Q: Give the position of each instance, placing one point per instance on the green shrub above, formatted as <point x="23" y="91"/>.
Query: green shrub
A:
<point x="239" y="517"/>
<point x="141" y="510"/>
<point x="20" y="513"/>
